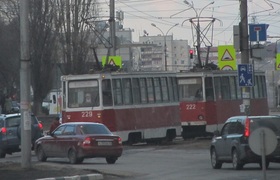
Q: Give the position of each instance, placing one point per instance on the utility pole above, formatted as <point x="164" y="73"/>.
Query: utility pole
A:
<point x="25" y="86"/>
<point x="112" y="28"/>
<point x="244" y="48"/>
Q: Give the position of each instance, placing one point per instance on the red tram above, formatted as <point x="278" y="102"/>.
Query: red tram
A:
<point x="145" y="106"/>
<point x="208" y="98"/>
<point x="138" y="106"/>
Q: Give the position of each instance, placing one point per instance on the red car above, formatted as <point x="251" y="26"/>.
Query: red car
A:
<point x="80" y="140"/>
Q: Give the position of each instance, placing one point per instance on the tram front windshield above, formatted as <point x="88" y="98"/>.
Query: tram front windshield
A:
<point x="190" y="89"/>
<point x="83" y="94"/>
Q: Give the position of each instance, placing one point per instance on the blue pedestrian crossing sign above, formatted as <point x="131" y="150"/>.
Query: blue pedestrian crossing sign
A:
<point x="246" y="75"/>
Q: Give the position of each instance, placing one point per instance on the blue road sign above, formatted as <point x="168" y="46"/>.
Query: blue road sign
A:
<point x="257" y="32"/>
<point x="245" y="75"/>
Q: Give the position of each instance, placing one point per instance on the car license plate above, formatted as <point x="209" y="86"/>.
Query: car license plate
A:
<point x="104" y="143"/>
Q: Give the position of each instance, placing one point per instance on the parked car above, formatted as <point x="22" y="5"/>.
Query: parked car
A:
<point x="79" y="140"/>
<point x="231" y="145"/>
<point x="10" y="133"/>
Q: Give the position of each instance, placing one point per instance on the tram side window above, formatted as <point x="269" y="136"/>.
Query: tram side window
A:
<point x="225" y="88"/>
<point x="263" y="86"/>
<point x="136" y="91"/>
<point x="127" y="94"/>
<point x="158" y="93"/>
<point x="260" y="87"/>
<point x="117" y="90"/>
<point x="256" y="87"/>
<point x="170" y="88"/>
<point x="175" y="87"/>
<point x="238" y="88"/>
<point x="217" y="83"/>
<point x="233" y="89"/>
<point x="164" y="87"/>
<point x="143" y="90"/>
<point x="107" y="93"/>
<point x="209" y="89"/>
<point x="150" y="88"/>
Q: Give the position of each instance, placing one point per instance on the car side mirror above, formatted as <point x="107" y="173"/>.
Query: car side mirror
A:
<point x="216" y="133"/>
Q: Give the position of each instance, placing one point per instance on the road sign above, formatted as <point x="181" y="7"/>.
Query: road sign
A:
<point x="270" y="141"/>
<point x="257" y="32"/>
<point x="226" y="57"/>
<point x="112" y="60"/>
<point x="245" y="75"/>
<point x="278" y="61"/>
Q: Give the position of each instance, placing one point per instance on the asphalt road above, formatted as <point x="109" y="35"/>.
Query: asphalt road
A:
<point x="177" y="160"/>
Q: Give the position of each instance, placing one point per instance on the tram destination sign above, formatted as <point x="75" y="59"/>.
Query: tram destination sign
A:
<point x="246" y="75"/>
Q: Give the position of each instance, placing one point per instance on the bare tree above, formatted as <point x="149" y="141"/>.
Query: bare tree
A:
<point x="9" y="59"/>
<point x="43" y="49"/>
<point x="75" y="33"/>
<point x="60" y="34"/>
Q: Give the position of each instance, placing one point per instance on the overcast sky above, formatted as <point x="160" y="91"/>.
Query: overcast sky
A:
<point x="139" y="14"/>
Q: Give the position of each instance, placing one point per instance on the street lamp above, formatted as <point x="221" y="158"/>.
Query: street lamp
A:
<point x="164" y="36"/>
<point x="198" y="27"/>
<point x="192" y="6"/>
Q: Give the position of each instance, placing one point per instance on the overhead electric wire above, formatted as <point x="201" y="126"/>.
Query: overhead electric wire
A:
<point x="160" y="14"/>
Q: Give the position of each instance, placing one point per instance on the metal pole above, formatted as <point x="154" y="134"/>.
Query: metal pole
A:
<point x="263" y="152"/>
<point x="244" y="48"/>
<point x="165" y="46"/>
<point x="25" y="86"/>
<point x="165" y="55"/>
<point x="112" y="28"/>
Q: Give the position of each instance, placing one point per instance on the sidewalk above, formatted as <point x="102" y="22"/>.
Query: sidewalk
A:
<point x="78" y="177"/>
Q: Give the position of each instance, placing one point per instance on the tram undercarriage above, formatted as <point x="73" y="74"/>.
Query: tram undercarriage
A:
<point x="194" y="131"/>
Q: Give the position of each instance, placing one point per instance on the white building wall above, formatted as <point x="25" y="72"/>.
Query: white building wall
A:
<point x="180" y="56"/>
<point x="177" y="51"/>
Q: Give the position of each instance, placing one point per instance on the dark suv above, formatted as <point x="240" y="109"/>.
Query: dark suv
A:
<point x="10" y="132"/>
<point x="231" y="144"/>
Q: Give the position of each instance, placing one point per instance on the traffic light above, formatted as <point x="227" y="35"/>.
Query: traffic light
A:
<point x="191" y="54"/>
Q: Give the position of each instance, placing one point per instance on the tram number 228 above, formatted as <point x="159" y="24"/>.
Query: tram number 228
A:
<point x="87" y="114"/>
<point x="190" y="106"/>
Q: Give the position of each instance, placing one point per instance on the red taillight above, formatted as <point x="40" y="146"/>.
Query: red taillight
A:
<point x="247" y="128"/>
<point x="87" y="141"/>
<point x="3" y="130"/>
<point x="120" y="140"/>
<point x="40" y="125"/>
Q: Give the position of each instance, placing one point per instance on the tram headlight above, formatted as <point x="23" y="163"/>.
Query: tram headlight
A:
<point x="200" y="117"/>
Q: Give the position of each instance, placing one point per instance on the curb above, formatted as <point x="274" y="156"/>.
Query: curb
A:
<point x="78" y="177"/>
